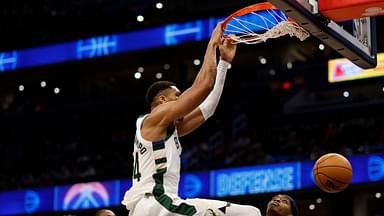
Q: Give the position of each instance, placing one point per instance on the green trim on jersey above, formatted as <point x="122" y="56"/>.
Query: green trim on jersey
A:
<point x="158" y="177"/>
<point x="158" y="189"/>
<point x="183" y="208"/>
<point x="158" y="146"/>
<point x="170" y="130"/>
<point x="161" y="160"/>
<point x="166" y="201"/>
<point x="142" y="122"/>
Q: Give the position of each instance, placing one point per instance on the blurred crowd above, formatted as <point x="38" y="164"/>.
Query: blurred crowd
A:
<point x="285" y="141"/>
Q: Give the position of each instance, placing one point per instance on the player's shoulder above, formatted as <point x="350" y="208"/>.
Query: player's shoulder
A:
<point x="161" y="114"/>
<point x="140" y="118"/>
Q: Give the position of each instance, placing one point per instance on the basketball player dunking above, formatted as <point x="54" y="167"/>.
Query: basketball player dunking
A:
<point x="157" y="150"/>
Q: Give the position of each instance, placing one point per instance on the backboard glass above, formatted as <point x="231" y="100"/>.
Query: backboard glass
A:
<point x="354" y="39"/>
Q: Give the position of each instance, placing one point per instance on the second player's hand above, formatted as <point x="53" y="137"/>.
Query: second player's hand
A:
<point x="217" y="35"/>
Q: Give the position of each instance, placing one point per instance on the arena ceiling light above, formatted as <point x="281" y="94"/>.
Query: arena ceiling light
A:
<point x="167" y="66"/>
<point x="321" y="47"/>
<point x="159" y="5"/>
<point x="56" y="90"/>
<point x="140" y="18"/>
<point x="196" y="62"/>
<point x="346" y="94"/>
<point x="137" y="75"/>
<point x="43" y="84"/>
<point x="159" y="75"/>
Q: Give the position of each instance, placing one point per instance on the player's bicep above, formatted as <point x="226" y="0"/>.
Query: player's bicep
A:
<point x="186" y="103"/>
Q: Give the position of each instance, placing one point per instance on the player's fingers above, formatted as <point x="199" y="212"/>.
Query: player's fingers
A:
<point x="219" y="27"/>
<point x="222" y="40"/>
<point x="228" y="42"/>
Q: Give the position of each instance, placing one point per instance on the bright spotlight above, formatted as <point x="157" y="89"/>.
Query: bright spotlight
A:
<point x="140" y="18"/>
<point x="159" y="75"/>
<point x="56" y="90"/>
<point x="137" y="75"/>
<point x="312" y="207"/>
<point x="346" y="94"/>
<point x="159" y="5"/>
<point x="262" y="60"/>
<point x="43" y="84"/>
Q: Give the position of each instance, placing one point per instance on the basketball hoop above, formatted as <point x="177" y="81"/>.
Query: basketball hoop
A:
<point x="259" y="22"/>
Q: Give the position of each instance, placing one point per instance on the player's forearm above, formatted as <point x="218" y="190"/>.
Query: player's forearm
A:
<point x="209" y="105"/>
<point x="207" y="74"/>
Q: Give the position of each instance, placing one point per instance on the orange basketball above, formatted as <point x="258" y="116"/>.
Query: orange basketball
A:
<point x="332" y="172"/>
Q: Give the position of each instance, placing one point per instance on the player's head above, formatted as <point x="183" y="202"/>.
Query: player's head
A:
<point x="161" y="92"/>
<point x="105" y="212"/>
<point x="282" y="205"/>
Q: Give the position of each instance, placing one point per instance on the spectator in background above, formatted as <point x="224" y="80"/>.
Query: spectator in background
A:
<point x="105" y="212"/>
<point x="282" y="205"/>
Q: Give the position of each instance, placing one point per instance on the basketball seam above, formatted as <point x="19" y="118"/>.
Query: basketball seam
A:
<point x="332" y="178"/>
<point x="327" y="166"/>
<point x="331" y="156"/>
<point x="323" y="186"/>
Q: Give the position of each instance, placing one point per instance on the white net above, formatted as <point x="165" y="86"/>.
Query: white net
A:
<point x="240" y="30"/>
<point x="361" y="30"/>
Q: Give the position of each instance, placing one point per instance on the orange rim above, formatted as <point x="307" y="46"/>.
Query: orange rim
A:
<point x="249" y="9"/>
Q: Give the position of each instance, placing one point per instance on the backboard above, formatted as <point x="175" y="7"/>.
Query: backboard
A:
<point x="354" y="39"/>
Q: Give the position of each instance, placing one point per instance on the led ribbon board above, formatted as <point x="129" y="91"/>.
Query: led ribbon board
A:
<point x="106" y="45"/>
<point x="212" y="184"/>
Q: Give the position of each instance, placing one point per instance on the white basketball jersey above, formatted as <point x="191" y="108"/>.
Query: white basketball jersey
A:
<point x="156" y="166"/>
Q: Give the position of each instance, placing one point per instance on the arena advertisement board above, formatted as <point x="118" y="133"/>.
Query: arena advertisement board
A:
<point x="194" y="185"/>
<point x="87" y="195"/>
<point x="343" y="70"/>
<point x="211" y="184"/>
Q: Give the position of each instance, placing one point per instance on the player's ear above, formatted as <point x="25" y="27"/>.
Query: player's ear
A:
<point x="162" y="99"/>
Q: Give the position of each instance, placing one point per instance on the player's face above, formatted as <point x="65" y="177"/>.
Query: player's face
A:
<point x="173" y="94"/>
<point x="279" y="206"/>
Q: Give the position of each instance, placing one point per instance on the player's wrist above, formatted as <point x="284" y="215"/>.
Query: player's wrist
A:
<point x="224" y="62"/>
<point x="226" y="59"/>
<point x="213" y="44"/>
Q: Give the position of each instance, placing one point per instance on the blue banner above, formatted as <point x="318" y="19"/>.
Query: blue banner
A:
<point x="194" y="185"/>
<point x="106" y="45"/>
<point x="87" y="195"/>
<point x="26" y="201"/>
<point x="216" y="183"/>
